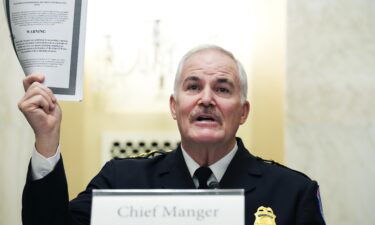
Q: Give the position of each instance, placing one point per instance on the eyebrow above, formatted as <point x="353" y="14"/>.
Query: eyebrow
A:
<point x="191" y="78"/>
<point x="225" y="80"/>
<point x="219" y="80"/>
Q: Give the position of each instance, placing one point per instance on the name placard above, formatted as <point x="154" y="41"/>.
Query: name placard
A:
<point x="168" y="207"/>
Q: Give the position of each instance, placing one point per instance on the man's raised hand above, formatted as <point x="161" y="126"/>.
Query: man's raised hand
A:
<point x="40" y="107"/>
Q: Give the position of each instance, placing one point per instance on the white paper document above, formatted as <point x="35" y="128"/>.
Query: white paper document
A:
<point x="48" y="37"/>
<point x="168" y="207"/>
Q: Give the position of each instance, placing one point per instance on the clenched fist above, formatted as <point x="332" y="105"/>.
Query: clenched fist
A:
<point x="43" y="113"/>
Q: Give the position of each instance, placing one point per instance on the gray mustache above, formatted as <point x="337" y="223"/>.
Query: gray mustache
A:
<point x="207" y="111"/>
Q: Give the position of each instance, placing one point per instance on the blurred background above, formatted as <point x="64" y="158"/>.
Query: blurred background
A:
<point x="311" y="68"/>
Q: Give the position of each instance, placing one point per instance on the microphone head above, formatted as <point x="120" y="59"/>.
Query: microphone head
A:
<point x="213" y="185"/>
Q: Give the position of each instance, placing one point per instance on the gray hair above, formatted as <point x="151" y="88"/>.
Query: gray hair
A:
<point x="241" y="71"/>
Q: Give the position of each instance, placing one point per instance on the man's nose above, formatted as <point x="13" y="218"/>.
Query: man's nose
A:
<point x="207" y="97"/>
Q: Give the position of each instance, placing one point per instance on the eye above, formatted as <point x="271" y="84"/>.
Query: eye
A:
<point x="222" y="90"/>
<point x="192" y="87"/>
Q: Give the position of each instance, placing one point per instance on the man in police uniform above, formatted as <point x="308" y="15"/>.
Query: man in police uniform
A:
<point x="209" y="104"/>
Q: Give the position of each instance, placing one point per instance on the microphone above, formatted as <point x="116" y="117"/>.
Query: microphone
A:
<point x="213" y="185"/>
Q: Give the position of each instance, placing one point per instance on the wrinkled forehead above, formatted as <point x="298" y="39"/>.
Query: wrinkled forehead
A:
<point x="210" y="62"/>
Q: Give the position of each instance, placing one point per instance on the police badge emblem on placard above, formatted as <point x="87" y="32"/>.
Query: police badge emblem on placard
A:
<point x="264" y="216"/>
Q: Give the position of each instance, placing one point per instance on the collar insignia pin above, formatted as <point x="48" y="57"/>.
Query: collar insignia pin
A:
<point x="264" y="216"/>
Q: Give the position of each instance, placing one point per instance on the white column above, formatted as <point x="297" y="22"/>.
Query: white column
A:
<point x="330" y="103"/>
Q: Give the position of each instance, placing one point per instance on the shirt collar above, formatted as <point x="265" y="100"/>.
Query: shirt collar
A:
<point x="218" y="168"/>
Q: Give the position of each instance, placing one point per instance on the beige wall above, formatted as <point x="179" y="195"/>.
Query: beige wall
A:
<point x="266" y="83"/>
<point x="16" y="138"/>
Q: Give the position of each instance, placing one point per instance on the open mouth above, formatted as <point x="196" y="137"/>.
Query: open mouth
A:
<point x="205" y="118"/>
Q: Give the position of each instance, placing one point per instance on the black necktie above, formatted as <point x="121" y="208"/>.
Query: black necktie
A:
<point x="203" y="173"/>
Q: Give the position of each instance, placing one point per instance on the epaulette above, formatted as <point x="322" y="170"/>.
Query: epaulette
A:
<point x="151" y="154"/>
<point x="272" y="162"/>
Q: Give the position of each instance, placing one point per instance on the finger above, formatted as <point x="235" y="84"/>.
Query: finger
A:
<point x="41" y="102"/>
<point x="51" y="98"/>
<point x="35" y="102"/>
<point x="57" y="109"/>
<point x="47" y="90"/>
<point x="40" y="77"/>
<point x="39" y="89"/>
<point x="50" y="93"/>
<point x="34" y="77"/>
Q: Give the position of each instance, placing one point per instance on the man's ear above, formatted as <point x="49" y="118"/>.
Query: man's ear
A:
<point x="245" y="108"/>
<point x="172" y="106"/>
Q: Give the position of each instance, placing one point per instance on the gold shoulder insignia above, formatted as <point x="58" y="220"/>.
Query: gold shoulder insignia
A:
<point x="150" y="154"/>
<point x="272" y="162"/>
<point x="264" y="216"/>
